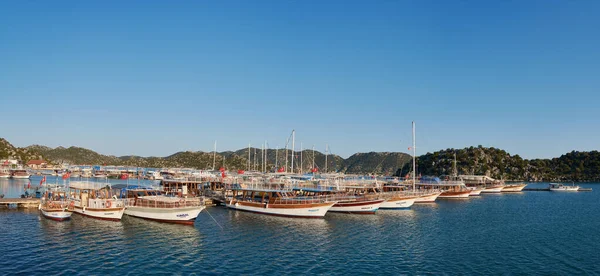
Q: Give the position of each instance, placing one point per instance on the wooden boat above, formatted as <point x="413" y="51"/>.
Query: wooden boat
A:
<point x="512" y="188"/>
<point x="492" y="189"/>
<point x="155" y="205"/>
<point x="475" y="191"/>
<point x="276" y="202"/>
<point x="397" y="197"/>
<point x="557" y="187"/>
<point x="351" y="200"/>
<point x="20" y="174"/>
<point x="95" y="201"/>
<point x="54" y="206"/>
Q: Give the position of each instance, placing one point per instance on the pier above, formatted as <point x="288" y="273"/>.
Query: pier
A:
<point x="19" y="202"/>
<point x="548" y="190"/>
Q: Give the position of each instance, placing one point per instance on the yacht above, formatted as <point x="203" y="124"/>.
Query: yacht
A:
<point x="95" y="200"/>
<point x="154" y="205"/>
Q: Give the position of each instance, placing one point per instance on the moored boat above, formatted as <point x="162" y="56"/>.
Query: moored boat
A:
<point x="475" y="191"/>
<point x="54" y="206"/>
<point x="155" y="205"/>
<point x="512" y="188"/>
<point x="558" y="187"/>
<point x="276" y="202"/>
<point x="428" y="197"/>
<point x="93" y="200"/>
<point x="20" y="174"/>
<point x="492" y="189"/>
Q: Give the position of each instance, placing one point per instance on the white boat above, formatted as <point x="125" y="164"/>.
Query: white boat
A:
<point x="153" y="175"/>
<point x="513" y="188"/>
<point x="54" y="206"/>
<point x="94" y="200"/>
<point x="154" y="205"/>
<point x="20" y="174"/>
<point x="398" y="202"/>
<point x="493" y="189"/>
<point x="428" y="197"/>
<point x="100" y="175"/>
<point x="357" y="206"/>
<point x="557" y="187"/>
<point x="475" y="191"/>
<point x="276" y="202"/>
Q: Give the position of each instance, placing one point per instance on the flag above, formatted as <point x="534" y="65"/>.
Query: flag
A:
<point x="281" y="169"/>
<point x="29" y="185"/>
<point x="221" y="169"/>
<point x="66" y="175"/>
<point x="240" y="171"/>
<point x="223" y="174"/>
<point x="314" y="170"/>
<point x="43" y="180"/>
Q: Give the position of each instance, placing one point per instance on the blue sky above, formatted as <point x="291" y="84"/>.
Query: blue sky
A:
<point x="156" y="77"/>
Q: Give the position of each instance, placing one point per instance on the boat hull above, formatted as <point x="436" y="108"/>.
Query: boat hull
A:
<point x="427" y="198"/>
<point x="491" y="190"/>
<point x="114" y="214"/>
<point x="513" y="188"/>
<point x="21" y="176"/>
<point x="475" y="192"/>
<point x="357" y="207"/>
<point x="56" y="214"/>
<point x="182" y="215"/>
<point x="398" y="203"/>
<point x="312" y="210"/>
<point x="451" y="195"/>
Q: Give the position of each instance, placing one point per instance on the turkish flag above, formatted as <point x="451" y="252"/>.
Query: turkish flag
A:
<point x="281" y="170"/>
<point x="43" y="180"/>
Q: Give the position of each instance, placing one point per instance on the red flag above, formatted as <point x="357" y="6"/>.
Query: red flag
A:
<point x="240" y="171"/>
<point x="314" y="170"/>
<point x="66" y="175"/>
<point x="43" y="180"/>
<point x="281" y="169"/>
<point x="29" y="185"/>
<point x="223" y="174"/>
<point x="221" y="169"/>
<point x="124" y="176"/>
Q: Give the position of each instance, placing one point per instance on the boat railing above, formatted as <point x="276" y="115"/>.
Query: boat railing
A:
<point x="153" y="203"/>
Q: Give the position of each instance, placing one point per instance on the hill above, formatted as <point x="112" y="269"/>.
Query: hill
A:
<point x="8" y="151"/>
<point x="497" y="163"/>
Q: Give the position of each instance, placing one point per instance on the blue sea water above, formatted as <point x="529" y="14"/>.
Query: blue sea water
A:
<point x="521" y="233"/>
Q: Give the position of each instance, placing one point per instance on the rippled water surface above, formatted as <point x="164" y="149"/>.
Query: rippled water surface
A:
<point x="522" y="233"/>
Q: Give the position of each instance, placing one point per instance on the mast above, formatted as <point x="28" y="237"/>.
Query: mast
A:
<point x="276" y="157"/>
<point x="313" y="162"/>
<point x="414" y="157"/>
<point x="293" y="148"/>
<point x="454" y="168"/>
<point x="265" y="158"/>
<point x="286" y="154"/>
<point x="301" y="161"/>
<point x="254" y="159"/>
<point x="262" y="158"/>
<point x="248" y="169"/>
<point x="326" y="147"/>
<point x="214" y="155"/>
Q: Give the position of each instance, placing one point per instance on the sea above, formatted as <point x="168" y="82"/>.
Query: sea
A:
<point x="532" y="232"/>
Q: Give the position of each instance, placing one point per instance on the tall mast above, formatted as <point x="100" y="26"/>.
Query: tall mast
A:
<point x="454" y="170"/>
<point x="262" y="158"/>
<point x="326" y="147"/>
<point x="254" y="159"/>
<point x="286" y="154"/>
<point x="276" y="157"/>
<point x="248" y="169"/>
<point x="414" y="157"/>
<point x="313" y="163"/>
<point x="293" y="148"/>
<point x="301" y="161"/>
<point x="266" y="151"/>
<point x="214" y="155"/>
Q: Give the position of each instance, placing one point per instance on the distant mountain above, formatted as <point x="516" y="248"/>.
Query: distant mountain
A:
<point x="74" y="155"/>
<point x="376" y="162"/>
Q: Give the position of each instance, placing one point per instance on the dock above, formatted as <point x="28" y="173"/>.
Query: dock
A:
<point x="548" y="189"/>
<point x="13" y="203"/>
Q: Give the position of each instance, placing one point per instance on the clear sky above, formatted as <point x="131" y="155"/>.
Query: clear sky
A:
<point x="156" y="77"/>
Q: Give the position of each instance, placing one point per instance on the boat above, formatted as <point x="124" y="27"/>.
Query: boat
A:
<point x="513" y="188"/>
<point x="20" y="174"/>
<point x="558" y="187"/>
<point x="154" y="205"/>
<point x="54" y="206"/>
<point x="475" y="191"/>
<point x="398" y="201"/>
<point x="449" y="189"/>
<point x="350" y="200"/>
<point x="4" y="174"/>
<point x="428" y="197"/>
<point x="96" y="201"/>
<point x="154" y="175"/>
<point x="100" y="174"/>
<point x="276" y="202"/>
<point x="492" y="189"/>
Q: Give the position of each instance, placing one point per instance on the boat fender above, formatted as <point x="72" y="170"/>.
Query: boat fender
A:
<point x="83" y="210"/>
<point x="267" y="205"/>
<point x="40" y="207"/>
<point x="108" y="204"/>
<point x="72" y="204"/>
